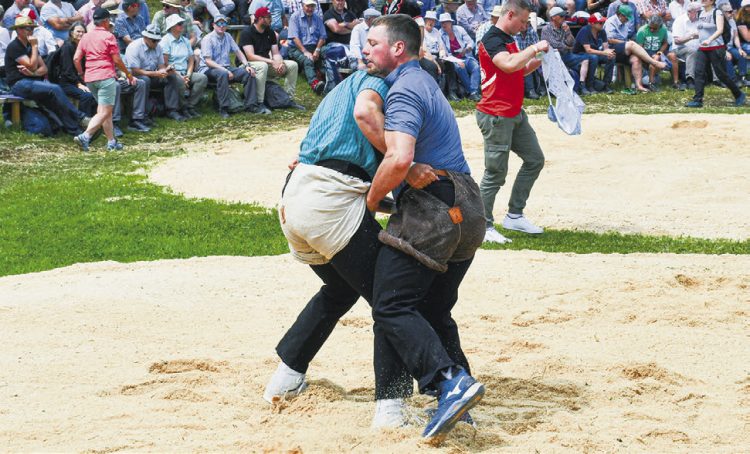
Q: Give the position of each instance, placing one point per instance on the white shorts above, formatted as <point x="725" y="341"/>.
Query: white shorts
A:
<point x="320" y="211"/>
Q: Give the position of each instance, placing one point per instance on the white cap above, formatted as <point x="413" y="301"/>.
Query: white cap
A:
<point x="433" y="15"/>
<point x="555" y="11"/>
<point x="446" y="17"/>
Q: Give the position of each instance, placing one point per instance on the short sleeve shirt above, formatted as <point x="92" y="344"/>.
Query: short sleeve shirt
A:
<point x="128" y="26"/>
<point x="333" y="132"/>
<point x="307" y="29"/>
<point x="217" y="49"/>
<point x="342" y="38"/>
<point x="650" y="41"/>
<point x="50" y="10"/>
<point x="139" y="55"/>
<point x="586" y="36"/>
<point x="415" y="106"/>
<point x="97" y="47"/>
<point x="178" y="52"/>
<point x="261" y="42"/>
<point x="15" y="51"/>
<point x="746" y="23"/>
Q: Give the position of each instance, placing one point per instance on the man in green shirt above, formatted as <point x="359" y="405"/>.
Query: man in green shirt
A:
<point x="653" y="38"/>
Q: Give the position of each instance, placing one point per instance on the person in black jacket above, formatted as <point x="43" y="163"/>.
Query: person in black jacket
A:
<point x="63" y="70"/>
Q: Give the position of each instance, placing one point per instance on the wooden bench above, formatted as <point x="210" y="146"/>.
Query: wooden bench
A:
<point x="15" y="107"/>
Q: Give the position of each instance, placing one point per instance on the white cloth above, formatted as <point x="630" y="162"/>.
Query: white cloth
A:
<point x="358" y="40"/>
<point x="569" y="107"/>
<point x="320" y="211"/>
<point x="433" y="42"/>
<point x="683" y="27"/>
<point x="676" y="9"/>
<point x="4" y="41"/>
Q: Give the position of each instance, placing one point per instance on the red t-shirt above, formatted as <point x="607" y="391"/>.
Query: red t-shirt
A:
<point x="502" y="93"/>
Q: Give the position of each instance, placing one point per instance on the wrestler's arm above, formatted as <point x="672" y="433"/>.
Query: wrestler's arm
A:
<point x="394" y="167"/>
<point x="368" y="113"/>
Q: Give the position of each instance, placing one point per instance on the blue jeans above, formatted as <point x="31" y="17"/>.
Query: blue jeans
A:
<point x="86" y="102"/>
<point x="469" y="74"/>
<point x="594" y="62"/>
<point x="53" y="98"/>
<point x="738" y="60"/>
<point x="573" y="61"/>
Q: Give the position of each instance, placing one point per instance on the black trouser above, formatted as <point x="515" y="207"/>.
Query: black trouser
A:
<point x="348" y="275"/>
<point x="412" y="307"/>
<point x="717" y="60"/>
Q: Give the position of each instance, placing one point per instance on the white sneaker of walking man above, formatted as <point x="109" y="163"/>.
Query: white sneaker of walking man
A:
<point x="284" y="383"/>
<point x="519" y="223"/>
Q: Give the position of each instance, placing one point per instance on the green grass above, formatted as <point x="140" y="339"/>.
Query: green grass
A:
<point x="60" y="206"/>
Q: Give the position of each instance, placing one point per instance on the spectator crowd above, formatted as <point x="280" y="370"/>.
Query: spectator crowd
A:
<point x="79" y="62"/>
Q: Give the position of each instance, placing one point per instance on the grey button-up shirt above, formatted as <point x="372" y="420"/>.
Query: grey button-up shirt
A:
<point x="138" y="55"/>
<point x="471" y="20"/>
<point x="217" y="48"/>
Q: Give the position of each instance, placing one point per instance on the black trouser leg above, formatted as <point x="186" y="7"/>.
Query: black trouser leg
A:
<point x="718" y="60"/>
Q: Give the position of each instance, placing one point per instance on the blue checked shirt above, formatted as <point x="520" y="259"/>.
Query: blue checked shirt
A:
<point x="525" y="40"/>
<point x="217" y="49"/>
<point x="126" y="26"/>
<point x="308" y="29"/>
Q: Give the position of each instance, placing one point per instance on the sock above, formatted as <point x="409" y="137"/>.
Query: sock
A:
<point x="112" y="142"/>
<point x="514" y="215"/>
<point x="449" y="372"/>
<point x="86" y="135"/>
<point x="283" y="368"/>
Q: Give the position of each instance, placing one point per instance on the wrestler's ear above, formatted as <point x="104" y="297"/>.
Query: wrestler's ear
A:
<point x="399" y="47"/>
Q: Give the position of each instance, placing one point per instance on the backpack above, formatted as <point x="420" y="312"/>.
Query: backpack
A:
<point x="726" y="34"/>
<point x="34" y="121"/>
<point x="52" y="61"/>
<point x="276" y="97"/>
<point x="235" y="101"/>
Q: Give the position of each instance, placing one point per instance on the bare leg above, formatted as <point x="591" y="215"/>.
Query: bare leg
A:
<point x="633" y="48"/>
<point x="675" y="67"/>
<point x="107" y="125"/>
<point x="637" y="69"/>
<point x="584" y="72"/>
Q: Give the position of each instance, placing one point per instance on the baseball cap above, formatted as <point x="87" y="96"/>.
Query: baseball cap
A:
<point x="23" y="22"/>
<point x="372" y="12"/>
<point x="101" y="14"/>
<point x="597" y="18"/>
<point x="220" y="18"/>
<point x="262" y="12"/>
<point x="556" y="11"/>
<point x="496" y="11"/>
<point x="625" y="11"/>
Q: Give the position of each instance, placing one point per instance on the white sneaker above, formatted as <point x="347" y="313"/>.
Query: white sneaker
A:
<point x="285" y="382"/>
<point x="522" y="225"/>
<point x="389" y="413"/>
<point x="493" y="236"/>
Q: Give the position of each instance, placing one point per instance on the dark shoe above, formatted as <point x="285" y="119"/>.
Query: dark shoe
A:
<point x="138" y="125"/>
<point x="174" y="115"/>
<point x="653" y="87"/>
<point x="607" y="90"/>
<point x="117" y="131"/>
<point x="453" y="97"/>
<point x="476" y="97"/>
<point x="223" y="114"/>
<point x="690" y="84"/>
<point x="679" y="86"/>
<point x="585" y="92"/>
<point x="193" y="113"/>
<point x="317" y="86"/>
<point x="739" y="102"/>
<point x="148" y="122"/>
<point x="297" y="106"/>
<point x="261" y="110"/>
<point x="186" y="113"/>
<point x="531" y="94"/>
<point x="694" y="104"/>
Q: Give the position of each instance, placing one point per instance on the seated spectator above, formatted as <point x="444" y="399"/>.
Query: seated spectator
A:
<point x="653" y="38"/>
<point x="14" y="10"/>
<point x="449" y="7"/>
<point x="46" y="42"/>
<point x="592" y="40"/>
<point x="298" y="5"/>
<point x="627" y="51"/>
<point x="557" y="34"/>
<point x="215" y="49"/>
<point x="275" y="9"/>
<point x="650" y="8"/>
<point x="339" y="23"/>
<point x="685" y="36"/>
<point x="179" y="56"/>
<point x="145" y="59"/>
<point x="99" y="50"/>
<point x="258" y="42"/>
<point x="57" y="16"/>
<point x="170" y="7"/>
<point x="676" y="9"/>
<point x="533" y="83"/>
<point x="736" y="55"/>
<point x="87" y="11"/>
<point x="494" y="16"/>
<point x="434" y="58"/>
<point x="308" y="36"/>
<point x="62" y="71"/>
<point x="460" y="45"/>
<point x="470" y="16"/>
<point x="633" y="24"/>
<point x="129" y="25"/>
<point x="25" y="72"/>
<point x="359" y="37"/>
<point x="743" y="25"/>
<point x="4" y="41"/>
<point x="216" y="7"/>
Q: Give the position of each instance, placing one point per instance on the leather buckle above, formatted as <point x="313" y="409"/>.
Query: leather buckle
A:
<point x="456" y="216"/>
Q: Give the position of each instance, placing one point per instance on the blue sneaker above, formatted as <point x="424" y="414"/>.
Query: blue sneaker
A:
<point x="694" y="104"/>
<point x="739" y="102"/>
<point x="117" y="146"/>
<point x="82" y="141"/>
<point x="457" y="396"/>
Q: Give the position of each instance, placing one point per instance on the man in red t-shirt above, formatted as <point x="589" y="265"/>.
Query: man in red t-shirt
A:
<point x="505" y="126"/>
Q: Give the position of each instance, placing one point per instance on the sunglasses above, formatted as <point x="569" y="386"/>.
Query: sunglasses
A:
<point x="28" y="29"/>
<point x="221" y="24"/>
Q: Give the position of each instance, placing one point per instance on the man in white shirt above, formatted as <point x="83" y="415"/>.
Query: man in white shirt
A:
<point x="359" y="37"/>
<point x="685" y="36"/>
